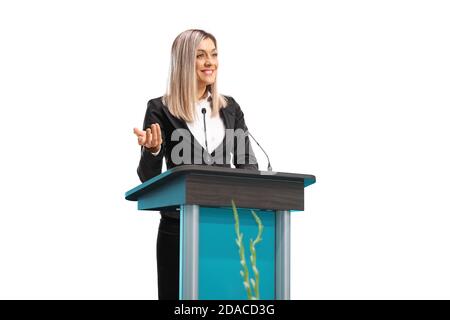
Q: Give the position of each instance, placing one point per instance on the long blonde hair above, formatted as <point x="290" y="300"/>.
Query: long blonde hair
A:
<point x="182" y="91"/>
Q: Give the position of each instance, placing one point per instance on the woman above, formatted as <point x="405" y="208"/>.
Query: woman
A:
<point x="192" y="87"/>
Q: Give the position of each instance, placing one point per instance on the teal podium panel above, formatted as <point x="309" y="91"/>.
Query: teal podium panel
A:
<point x="219" y="255"/>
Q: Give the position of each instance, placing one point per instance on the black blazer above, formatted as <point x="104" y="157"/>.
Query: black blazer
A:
<point x="233" y="118"/>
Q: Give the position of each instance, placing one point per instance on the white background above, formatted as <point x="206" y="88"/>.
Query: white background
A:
<point x="354" y="92"/>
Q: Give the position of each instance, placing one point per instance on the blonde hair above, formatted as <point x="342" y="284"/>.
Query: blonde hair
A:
<point x="182" y="91"/>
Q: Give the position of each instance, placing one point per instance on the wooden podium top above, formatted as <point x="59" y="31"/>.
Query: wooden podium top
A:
<point x="215" y="186"/>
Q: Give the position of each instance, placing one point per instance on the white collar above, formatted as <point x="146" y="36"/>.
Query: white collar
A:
<point x="205" y="99"/>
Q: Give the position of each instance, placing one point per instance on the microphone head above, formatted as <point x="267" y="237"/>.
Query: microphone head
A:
<point x="203" y="110"/>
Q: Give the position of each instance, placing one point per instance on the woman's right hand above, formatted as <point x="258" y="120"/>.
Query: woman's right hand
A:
<point x="150" y="138"/>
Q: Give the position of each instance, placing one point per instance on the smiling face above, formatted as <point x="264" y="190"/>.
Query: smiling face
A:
<point x="206" y="63"/>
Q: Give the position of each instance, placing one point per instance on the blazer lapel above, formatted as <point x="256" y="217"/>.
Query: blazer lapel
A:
<point x="227" y="115"/>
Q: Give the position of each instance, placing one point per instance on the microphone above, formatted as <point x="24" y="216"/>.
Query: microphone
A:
<point x="208" y="159"/>
<point x="269" y="167"/>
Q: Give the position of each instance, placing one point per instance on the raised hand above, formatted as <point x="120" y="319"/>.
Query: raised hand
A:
<point x="150" y="138"/>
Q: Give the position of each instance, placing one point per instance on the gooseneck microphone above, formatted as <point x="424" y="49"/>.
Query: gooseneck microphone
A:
<point x="204" y="128"/>
<point x="269" y="167"/>
<point x="208" y="159"/>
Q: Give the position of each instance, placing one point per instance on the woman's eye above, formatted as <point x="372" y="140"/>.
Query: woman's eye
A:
<point x="201" y="55"/>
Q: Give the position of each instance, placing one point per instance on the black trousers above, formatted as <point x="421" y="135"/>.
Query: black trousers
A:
<point x="167" y="256"/>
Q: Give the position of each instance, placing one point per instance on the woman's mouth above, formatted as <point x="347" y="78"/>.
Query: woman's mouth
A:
<point x="208" y="72"/>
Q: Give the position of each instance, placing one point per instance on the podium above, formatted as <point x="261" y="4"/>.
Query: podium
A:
<point x="234" y="228"/>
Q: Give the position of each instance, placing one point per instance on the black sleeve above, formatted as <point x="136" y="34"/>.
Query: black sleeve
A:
<point x="150" y="165"/>
<point x="247" y="160"/>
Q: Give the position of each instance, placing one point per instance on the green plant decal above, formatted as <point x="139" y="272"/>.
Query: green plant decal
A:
<point x="244" y="273"/>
